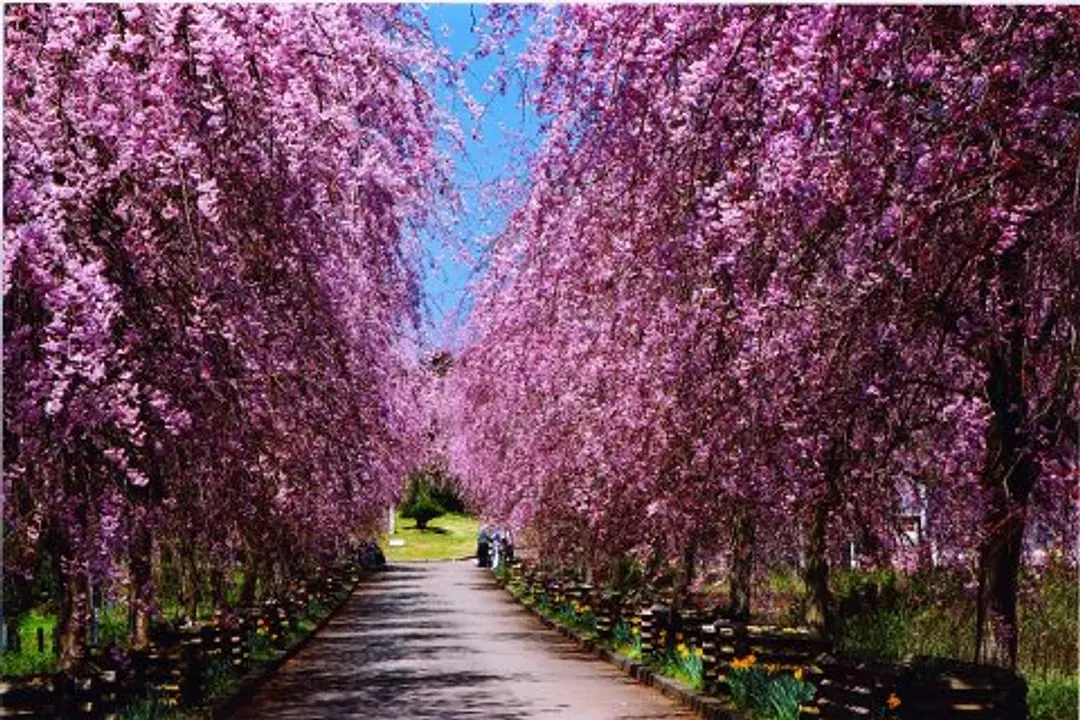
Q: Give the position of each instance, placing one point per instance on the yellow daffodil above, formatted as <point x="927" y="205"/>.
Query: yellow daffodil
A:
<point x="798" y="674"/>
<point x="699" y="652"/>
<point x="745" y="663"/>
<point x="772" y="668"/>
<point x="682" y="650"/>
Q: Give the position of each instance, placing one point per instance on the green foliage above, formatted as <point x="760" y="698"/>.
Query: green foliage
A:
<point x="633" y="650"/>
<point x="261" y="646"/>
<point x="783" y="695"/>
<point x="576" y="616"/>
<point x="887" y="616"/>
<point x="419" y="503"/>
<point x="112" y="619"/>
<point x="1049" y="631"/>
<point x="25" y="663"/>
<point x="28" y="661"/>
<point x="746" y="685"/>
<point x="150" y="708"/>
<point x="629" y="572"/>
<point x="218" y="678"/>
<point x="620" y="633"/>
<point x="501" y="573"/>
<point x="316" y="609"/>
<point x="682" y="663"/>
<point x="771" y="695"/>
<point x="444" y="491"/>
<point x="1054" y="699"/>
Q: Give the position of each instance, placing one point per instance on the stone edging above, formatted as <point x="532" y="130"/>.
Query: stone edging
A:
<point x="255" y="679"/>
<point x="704" y="705"/>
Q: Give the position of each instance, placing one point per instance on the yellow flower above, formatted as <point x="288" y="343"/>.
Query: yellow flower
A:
<point x="699" y="652"/>
<point x="893" y="702"/>
<point x="682" y="650"/>
<point x="745" y="664"/>
<point x="798" y="674"/>
<point x="772" y="668"/>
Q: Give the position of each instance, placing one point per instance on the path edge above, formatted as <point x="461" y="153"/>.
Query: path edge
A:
<point x="706" y="706"/>
<point x="254" y="680"/>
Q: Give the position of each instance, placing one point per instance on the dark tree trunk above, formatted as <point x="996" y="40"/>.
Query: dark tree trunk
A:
<point x="742" y="563"/>
<point x="72" y="615"/>
<point x="999" y="571"/>
<point x="687" y="570"/>
<point x="817" y="568"/>
<point x="1009" y="475"/>
<point x="251" y="577"/>
<point x="818" y="606"/>
<point x="189" y="583"/>
<point x="141" y="558"/>
<point x="217" y="587"/>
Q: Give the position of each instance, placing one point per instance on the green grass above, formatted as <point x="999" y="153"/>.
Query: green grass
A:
<point x="1053" y="699"/>
<point x="449" y="537"/>
<point x="29" y="661"/>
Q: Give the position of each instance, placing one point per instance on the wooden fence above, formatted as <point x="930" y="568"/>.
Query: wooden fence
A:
<point x="927" y="688"/>
<point x="174" y="668"/>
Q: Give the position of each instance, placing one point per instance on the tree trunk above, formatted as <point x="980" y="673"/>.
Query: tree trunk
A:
<point x="189" y="582"/>
<point x="1010" y="473"/>
<point x="217" y="587"/>
<point x="142" y="584"/>
<point x="999" y="570"/>
<point x="742" y="562"/>
<point x="73" y="613"/>
<point x="818" y="612"/>
<point x="687" y="571"/>
<point x="250" y="582"/>
<point x="817" y="569"/>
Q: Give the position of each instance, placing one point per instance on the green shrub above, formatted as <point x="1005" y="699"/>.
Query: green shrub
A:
<point x="28" y="661"/>
<point x="22" y="664"/>
<point x="684" y="664"/>
<point x="931" y="613"/>
<point x="419" y="503"/>
<point x="771" y="693"/>
<point x="1054" y="699"/>
<point x="112" y="619"/>
<point x="149" y="708"/>
<point x="261" y="646"/>
<point x="218" y="679"/>
<point x="1048" y="612"/>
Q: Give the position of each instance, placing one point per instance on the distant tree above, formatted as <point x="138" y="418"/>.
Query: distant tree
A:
<point x="420" y="503"/>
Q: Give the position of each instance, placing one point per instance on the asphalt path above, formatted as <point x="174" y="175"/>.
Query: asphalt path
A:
<point x="441" y="640"/>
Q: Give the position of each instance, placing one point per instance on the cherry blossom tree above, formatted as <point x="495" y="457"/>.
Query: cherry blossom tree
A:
<point x="785" y="264"/>
<point x="210" y="216"/>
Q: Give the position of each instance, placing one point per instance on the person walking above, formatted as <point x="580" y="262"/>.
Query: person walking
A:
<point x="483" y="548"/>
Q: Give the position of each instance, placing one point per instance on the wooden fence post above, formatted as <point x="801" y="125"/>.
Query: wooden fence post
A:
<point x="709" y="660"/>
<point x="648" y="630"/>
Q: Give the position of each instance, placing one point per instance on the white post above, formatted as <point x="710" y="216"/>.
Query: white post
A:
<point x="391" y="519"/>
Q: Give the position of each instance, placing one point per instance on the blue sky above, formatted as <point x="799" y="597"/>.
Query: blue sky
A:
<point x="494" y="153"/>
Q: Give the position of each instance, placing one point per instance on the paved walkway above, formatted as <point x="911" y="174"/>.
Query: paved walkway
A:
<point x="440" y="640"/>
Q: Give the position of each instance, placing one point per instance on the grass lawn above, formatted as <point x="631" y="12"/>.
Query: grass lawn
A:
<point x="450" y="537"/>
<point x="29" y="661"/>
